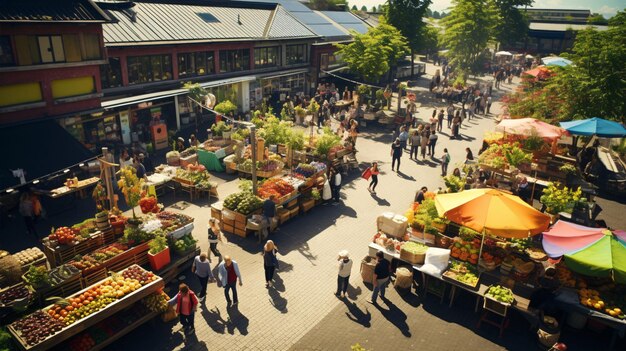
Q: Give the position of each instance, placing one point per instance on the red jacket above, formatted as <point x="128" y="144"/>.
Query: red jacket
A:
<point x="193" y="300"/>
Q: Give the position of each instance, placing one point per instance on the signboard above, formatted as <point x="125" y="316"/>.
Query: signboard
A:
<point x="125" y="126"/>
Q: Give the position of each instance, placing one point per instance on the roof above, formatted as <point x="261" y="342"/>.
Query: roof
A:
<point x="346" y="20"/>
<point x="562" y="27"/>
<point x="161" y="23"/>
<point x="29" y="11"/>
<point x="317" y="23"/>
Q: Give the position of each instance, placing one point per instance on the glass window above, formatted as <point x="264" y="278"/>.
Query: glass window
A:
<point x="153" y="68"/>
<point x="195" y="64"/>
<point x="267" y="57"/>
<point x="111" y="74"/>
<point x="296" y="54"/>
<point x="72" y="47"/>
<point x="186" y="66"/>
<point x="51" y="48"/>
<point x="234" y="60"/>
<point x="6" y="51"/>
<point x="92" y="46"/>
<point x="27" y="50"/>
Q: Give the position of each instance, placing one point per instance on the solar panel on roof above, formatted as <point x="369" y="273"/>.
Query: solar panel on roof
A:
<point x="207" y="17"/>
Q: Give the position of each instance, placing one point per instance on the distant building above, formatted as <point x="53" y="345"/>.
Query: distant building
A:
<point x="558" y="15"/>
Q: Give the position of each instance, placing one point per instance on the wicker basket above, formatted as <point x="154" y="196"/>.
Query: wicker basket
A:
<point x="412" y="258"/>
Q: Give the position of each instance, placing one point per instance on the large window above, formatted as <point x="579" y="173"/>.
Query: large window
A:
<point x="296" y="54"/>
<point x="267" y="57"/>
<point x="111" y="74"/>
<point x="196" y="64"/>
<point x="91" y="43"/>
<point x="32" y="50"/>
<point x="51" y="48"/>
<point x="234" y="60"/>
<point x="144" y="69"/>
<point x="6" y="51"/>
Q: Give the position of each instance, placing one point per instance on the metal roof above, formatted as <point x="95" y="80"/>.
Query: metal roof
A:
<point x="152" y="23"/>
<point x="347" y="20"/>
<point x="51" y="11"/>
<point x="562" y="27"/>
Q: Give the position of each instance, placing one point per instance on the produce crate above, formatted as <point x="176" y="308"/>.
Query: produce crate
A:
<point x="229" y="228"/>
<point x="182" y="231"/>
<point x="108" y="236"/>
<point x="293" y="203"/>
<point x="64" y="253"/>
<point x="450" y="277"/>
<point x="294" y="212"/>
<point x="183" y="181"/>
<point x="93" y="277"/>
<point x="216" y="211"/>
<point x="228" y="214"/>
<point x="68" y="287"/>
<point x="283" y="215"/>
<point x="495" y="306"/>
<point x="412" y="258"/>
<point x="42" y="262"/>
<point x="268" y="174"/>
<point x="240" y="232"/>
<point x="306" y="205"/>
<point x="90" y="320"/>
<point x="285" y="197"/>
<point x="240" y="218"/>
<point x="189" y="160"/>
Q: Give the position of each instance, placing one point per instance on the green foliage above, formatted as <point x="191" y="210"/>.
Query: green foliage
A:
<point x="357" y="347"/>
<point x="428" y="39"/>
<point x="300" y="111"/>
<point x="407" y="16"/>
<point x="467" y="31"/>
<point x="313" y="107"/>
<point x="568" y="168"/>
<point x="512" y="22"/>
<point x="135" y="236"/>
<point x="195" y="91"/>
<point x="326" y="142"/>
<point x="219" y="128"/>
<point x="533" y="142"/>
<point x="285" y="113"/>
<point x="559" y="198"/>
<point x="620" y="148"/>
<point x="372" y="54"/>
<point x="315" y="194"/>
<point x="328" y="5"/>
<point x="240" y="134"/>
<point x="454" y="183"/>
<point x="295" y="140"/>
<point x="158" y="244"/>
<point x="225" y="107"/>
<point x="275" y="131"/>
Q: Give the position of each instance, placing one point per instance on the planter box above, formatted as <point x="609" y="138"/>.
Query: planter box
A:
<point x="189" y="160"/>
<point x="159" y="260"/>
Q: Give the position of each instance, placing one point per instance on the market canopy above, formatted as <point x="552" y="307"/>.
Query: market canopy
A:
<point x="595" y="126"/>
<point x="565" y="237"/>
<point x="556" y="61"/>
<point x="530" y="126"/>
<point x="493" y="212"/>
<point x="605" y="257"/>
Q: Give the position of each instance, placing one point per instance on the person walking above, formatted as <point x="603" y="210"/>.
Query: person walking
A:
<point x="381" y="277"/>
<point x="445" y="160"/>
<point x="228" y="272"/>
<point x="270" y="262"/>
<point x="450" y="114"/>
<point x="488" y="103"/>
<point x="186" y="305"/>
<point x="424" y="141"/>
<point x="432" y="141"/>
<point x="440" y="120"/>
<point x="374" y="174"/>
<point x="215" y="235"/>
<point x="335" y="185"/>
<point x="202" y="269"/>
<point x="396" y="154"/>
<point x="415" y="145"/>
<point x="404" y="137"/>
<point x="343" y="277"/>
<point x="456" y="123"/>
<point x="27" y="210"/>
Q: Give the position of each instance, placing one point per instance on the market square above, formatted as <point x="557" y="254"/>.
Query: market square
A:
<point x="491" y="235"/>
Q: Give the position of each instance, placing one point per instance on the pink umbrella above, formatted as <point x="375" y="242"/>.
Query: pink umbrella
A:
<point x="565" y="237"/>
<point x="528" y="126"/>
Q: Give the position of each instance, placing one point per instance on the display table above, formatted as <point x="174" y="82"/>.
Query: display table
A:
<point x="211" y="160"/>
<point x="65" y="190"/>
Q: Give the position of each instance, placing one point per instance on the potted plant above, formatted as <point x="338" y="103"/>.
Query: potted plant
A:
<point x="300" y="114"/>
<point x="159" y="253"/>
<point x="173" y="156"/>
<point x="440" y="224"/>
<point x="131" y="187"/>
<point x="225" y="108"/>
<point x="220" y="128"/>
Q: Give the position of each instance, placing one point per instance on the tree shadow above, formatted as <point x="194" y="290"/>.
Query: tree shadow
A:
<point x="305" y="251"/>
<point x="395" y="316"/>
<point x="213" y="318"/>
<point x="380" y="201"/>
<point x="279" y="302"/>
<point x="236" y="320"/>
<point x="356" y="315"/>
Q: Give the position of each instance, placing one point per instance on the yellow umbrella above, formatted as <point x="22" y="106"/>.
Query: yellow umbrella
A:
<point x="490" y="211"/>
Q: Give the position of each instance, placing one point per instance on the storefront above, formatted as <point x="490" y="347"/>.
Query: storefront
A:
<point x="276" y="88"/>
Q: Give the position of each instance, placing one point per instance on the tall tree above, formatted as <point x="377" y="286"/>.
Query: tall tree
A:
<point x="467" y="31"/>
<point x="407" y="15"/>
<point x="372" y="54"/>
<point x="364" y="8"/>
<point x="436" y="15"/>
<point x="354" y="8"/>
<point x="373" y="9"/>
<point x="512" y="23"/>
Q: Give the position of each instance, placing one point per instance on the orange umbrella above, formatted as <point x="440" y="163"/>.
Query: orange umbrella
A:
<point x="490" y="211"/>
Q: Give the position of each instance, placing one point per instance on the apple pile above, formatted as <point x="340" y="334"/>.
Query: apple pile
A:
<point x="466" y="251"/>
<point x="137" y="273"/>
<point x="63" y="235"/>
<point x="36" y="327"/>
<point x="14" y="293"/>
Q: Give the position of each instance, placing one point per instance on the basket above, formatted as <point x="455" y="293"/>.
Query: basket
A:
<point x="496" y="306"/>
<point x="367" y="269"/>
<point x="404" y="278"/>
<point x="412" y="258"/>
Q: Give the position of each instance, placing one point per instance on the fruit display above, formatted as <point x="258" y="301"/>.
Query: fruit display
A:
<point x="565" y="276"/>
<point x="36" y="327"/>
<point x="97" y="257"/>
<point x="390" y="244"/>
<point x="14" y="293"/>
<point x="275" y="186"/>
<point x="461" y="272"/>
<point x="149" y="204"/>
<point x="243" y="202"/>
<point x="414" y="248"/>
<point x="63" y="235"/>
<point x="28" y="256"/>
<point x="263" y="166"/>
<point x="37" y="276"/>
<point x="500" y="293"/>
<point x="62" y="273"/>
<point x="536" y="254"/>
<point x="196" y="175"/>
<point x="464" y="250"/>
<point x="307" y="170"/>
<point x="157" y="302"/>
<point x="185" y="243"/>
<point x="171" y="221"/>
<point x="604" y="302"/>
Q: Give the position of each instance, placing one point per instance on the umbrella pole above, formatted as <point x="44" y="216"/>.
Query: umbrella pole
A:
<point x="482" y="243"/>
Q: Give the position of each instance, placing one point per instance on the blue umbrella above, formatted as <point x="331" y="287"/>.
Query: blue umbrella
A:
<point x="556" y="61"/>
<point x="595" y="126"/>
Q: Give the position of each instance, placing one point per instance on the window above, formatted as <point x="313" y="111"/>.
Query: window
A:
<point x="6" y="51"/>
<point x="234" y="60"/>
<point x="111" y="74"/>
<point x="195" y="64"/>
<point x="144" y="69"/>
<point x="92" y="46"/>
<point x="63" y="88"/>
<point x="267" y="57"/>
<point x="72" y="48"/>
<point x="296" y="54"/>
<point x="21" y="93"/>
<point x="51" y="48"/>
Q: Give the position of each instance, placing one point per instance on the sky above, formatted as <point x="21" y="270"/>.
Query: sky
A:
<point x="607" y="8"/>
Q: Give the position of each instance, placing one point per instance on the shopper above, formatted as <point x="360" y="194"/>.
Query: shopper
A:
<point x="445" y="160"/>
<point x="450" y="111"/>
<point x="374" y="174"/>
<point x="396" y="154"/>
<point x="269" y="212"/>
<point x="335" y="185"/>
<point x="343" y="277"/>
<point x="381" y="277"/>
<point x="404" y="137"/>
<point x="432" y="141"/>
<point x="424" y="140"/>
<point x="270" y="262"/>
<point x="186" y="305"/>
<point x="202" y="269"/>
<point x="440" y="120"/>
<point x="469" y="156"/>
<point x="228" y="272"/>
<point x="414" y="140"/>
<point x="420" y="195"/>
<point x="27" y="210"/>
<point x="215" y="235"/>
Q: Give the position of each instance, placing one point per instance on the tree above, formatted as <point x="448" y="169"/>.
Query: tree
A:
<point x="364" y="8"/>
<point x="512" y="23"/>
<point x="379" y="9"/>
<point x="354" y="8"/>
<point x="406" y="15"/>
<point x="429" y="37"/>
<point x="373" y="9"/>
<point x="372" y="54"/>
<point x="436" y="15"/>
<point x="467" y="31"/>
<point x="328" y="5"/>
<point x="597" y="18"/>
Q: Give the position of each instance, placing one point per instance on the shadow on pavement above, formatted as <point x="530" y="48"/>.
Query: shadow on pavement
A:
<point x="213" y="318"/>
<point x="279" y="284"/>
<point x="279" y="302"/>
<point x="380" y="201"/>
<point x="236" y="320"/>
<point x="394" y="315"/>
<point x="405" y="176"/>
<point x="353" y="292"/>
<point x="356" y="315"/>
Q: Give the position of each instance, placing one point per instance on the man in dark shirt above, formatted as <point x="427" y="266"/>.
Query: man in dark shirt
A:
<point x="421" y="195"/>
<point x="381" y="277"/>
<point x="269" y="208"/>
<point x="396" y="153"/>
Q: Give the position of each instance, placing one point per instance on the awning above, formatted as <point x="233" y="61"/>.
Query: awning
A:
<point x="39" y="148"/>
<point x="131" y="100"/>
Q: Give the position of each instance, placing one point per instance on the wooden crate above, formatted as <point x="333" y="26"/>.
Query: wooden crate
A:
<point x="240" y="232"/>
<point x="293" y="203"/>
<point x="306" y="205"/>
<point x="216" y="212"/>
<point x="240" y="225"/>
<point x="240" y="218"/>
<point x="65" y="253"/>
<point x="68" y="287"/>
<point x="229" y="228"/>
<point x="93" y="277"/>
<point x="108" y="236"/>
<point x="294" y="212"/>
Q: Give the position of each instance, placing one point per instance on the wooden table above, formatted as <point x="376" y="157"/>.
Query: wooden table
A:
<point x="65" y="190"/>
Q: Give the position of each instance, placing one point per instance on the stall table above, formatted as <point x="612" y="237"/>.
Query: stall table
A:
<point x="65" y="190"/>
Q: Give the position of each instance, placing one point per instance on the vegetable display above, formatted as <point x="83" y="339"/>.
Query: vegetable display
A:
<point x="196" y="175"/>
<point x="14" y="293"/>
<point x="157" y="302"/>
<point x="243" y="202"/>
<point x="148" y="204"/>
<point x="500" y="293"/>
<point x="308" y="170"/>
<point x="185" y="243"/>
<point x="63" y="235"/>
<point x="275" y="186"/>
<point x="28" y="256"/>
<point x="36" y="327"/>
<point x="37" y="276"/>
<point x="461" y="272"/>
<point x="414" y="248"/>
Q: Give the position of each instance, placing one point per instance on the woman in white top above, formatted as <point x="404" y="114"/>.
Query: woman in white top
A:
<point x="343" y="277"/>
<point x="125" y="160"/>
